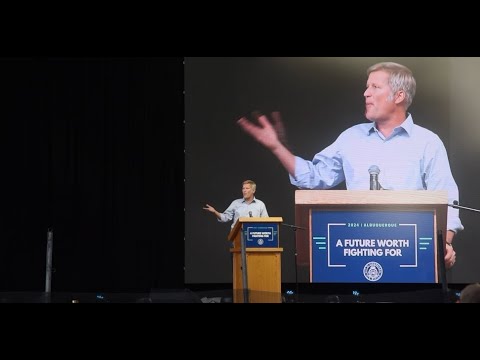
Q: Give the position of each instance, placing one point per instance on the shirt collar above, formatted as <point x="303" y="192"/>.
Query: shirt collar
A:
<point x="407" y="125"/>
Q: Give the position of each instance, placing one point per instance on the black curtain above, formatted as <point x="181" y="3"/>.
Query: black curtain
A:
<point x="93" y="148"/>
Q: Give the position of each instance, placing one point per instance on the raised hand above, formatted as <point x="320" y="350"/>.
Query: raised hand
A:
<point x="264" y="132"/>
<point x="271" y="135"/>
<point x="210" y="208"/>
<point x="279" y="127"/>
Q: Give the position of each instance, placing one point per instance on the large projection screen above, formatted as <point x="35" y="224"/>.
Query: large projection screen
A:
<point x="318" y="98"/>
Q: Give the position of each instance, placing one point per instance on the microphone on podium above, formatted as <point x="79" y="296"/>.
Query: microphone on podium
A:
<point x="374" y="170"/>
<point x="456" y="205"/>
<point x="250" y="214"/>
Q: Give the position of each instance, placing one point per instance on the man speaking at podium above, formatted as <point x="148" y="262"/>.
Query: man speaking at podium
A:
<point x="392" y="148"/>
<point x="248" y="206"/>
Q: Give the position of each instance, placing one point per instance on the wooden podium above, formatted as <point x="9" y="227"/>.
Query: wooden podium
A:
<point x="257" y="276"/>
<point x="339" y="220"/>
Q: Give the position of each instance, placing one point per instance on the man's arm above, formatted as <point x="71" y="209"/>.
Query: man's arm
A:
<point x="264" y="212"/>
<point x="439" y="177"/>
<point x="213" y="211"/>
<point x="268" y="136"/>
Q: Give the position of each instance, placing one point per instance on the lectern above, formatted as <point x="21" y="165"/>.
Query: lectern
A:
<point x="257" y="275"/>
<point x="370" y="236"/>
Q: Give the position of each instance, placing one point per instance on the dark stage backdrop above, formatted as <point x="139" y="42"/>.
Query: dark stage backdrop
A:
<point x="318" y="98"/>
<point x="92" y="147"/>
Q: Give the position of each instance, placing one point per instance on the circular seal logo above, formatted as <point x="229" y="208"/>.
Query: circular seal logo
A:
<point x="372" y="271"/>
<point x="260" y="242"/>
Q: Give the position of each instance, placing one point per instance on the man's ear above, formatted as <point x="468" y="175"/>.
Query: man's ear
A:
<point x="399" y="96"/>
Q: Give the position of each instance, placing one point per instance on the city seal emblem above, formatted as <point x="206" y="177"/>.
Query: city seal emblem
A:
<point x="372" y="271"/>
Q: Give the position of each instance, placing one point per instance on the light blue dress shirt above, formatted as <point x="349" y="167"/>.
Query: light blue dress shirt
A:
<point x="240" y="208"/>
<point x="411" y="158"/>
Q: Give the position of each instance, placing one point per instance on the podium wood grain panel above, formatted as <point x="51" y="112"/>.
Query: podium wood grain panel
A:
<point x="263" y="273"/>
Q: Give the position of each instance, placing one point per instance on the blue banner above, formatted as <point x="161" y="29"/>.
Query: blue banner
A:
<point x="260" y="234"/>
<point x="373" y="246"/>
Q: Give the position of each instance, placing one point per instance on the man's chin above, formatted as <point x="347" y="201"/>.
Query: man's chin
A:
<point x="369" y="117"/>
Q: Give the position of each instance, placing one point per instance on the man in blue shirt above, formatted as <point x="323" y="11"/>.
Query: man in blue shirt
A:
<point x="409" y="156"/>
<point x="248" y="206"/>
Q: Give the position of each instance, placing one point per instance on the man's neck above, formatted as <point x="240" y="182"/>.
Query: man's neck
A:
<point x="386" y="127"/>
<point x="248" y="200"/>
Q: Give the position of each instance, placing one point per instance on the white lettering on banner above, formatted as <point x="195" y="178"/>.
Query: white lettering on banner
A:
<point x="362" y="252"/>
<point x="360" y="243"/>
<point x="393" y="243"/>
<point x="373" y="247"/>
<point x="393" y="252"/>
<point x="260" y="234"/>
<point x="369" y="225"/>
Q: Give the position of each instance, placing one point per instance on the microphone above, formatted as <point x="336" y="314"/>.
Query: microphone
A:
<point x="456" y="205"/>
<point x="374" y="171"/>
<point x="250" y="214"/>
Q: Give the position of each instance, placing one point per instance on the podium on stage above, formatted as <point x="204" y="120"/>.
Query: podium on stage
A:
<point x="383" y="236"/>
<point x="257" y="275"/>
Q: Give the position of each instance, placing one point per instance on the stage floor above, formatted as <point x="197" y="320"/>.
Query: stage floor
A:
<point x="223" y="293"/>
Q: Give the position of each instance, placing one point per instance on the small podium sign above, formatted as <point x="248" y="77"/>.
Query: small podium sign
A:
<point x="261" y="234"/>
